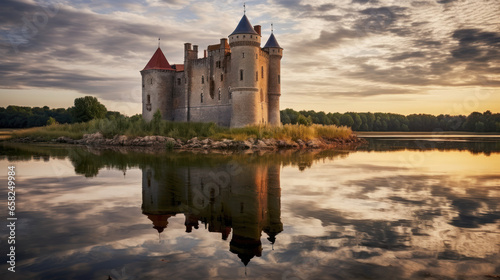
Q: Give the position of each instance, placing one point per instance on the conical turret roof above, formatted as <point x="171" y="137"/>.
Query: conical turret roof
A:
<point x="272" y="42"/>
<point x="158" y="61"/>
<point x="244" y="27"/>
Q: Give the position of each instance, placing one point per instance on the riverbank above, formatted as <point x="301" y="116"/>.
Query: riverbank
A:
<point x="169" y="143"/>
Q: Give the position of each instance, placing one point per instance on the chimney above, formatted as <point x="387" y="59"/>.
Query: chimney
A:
<point x="223" y="43"/>
<point x="204" y="53"/>
<point x="195" y="50"/>
<point x="257" y="29"/>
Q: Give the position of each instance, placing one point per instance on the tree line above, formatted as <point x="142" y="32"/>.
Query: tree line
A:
<point x="474" y="122"/>
<point x="88" y="108"/>
<point x="84" y="109"/>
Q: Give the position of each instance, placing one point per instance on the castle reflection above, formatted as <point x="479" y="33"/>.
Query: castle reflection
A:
<point x="225" y="197"/>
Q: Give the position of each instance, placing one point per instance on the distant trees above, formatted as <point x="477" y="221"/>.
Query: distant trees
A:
<point x="86" y="108"/>
<point x="22" y="117"/>
<point x="475" y="122"/>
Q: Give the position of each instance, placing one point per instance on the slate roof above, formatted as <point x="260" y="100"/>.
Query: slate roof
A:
<point x="272" y="42"/>
<point x="244" y="27"/>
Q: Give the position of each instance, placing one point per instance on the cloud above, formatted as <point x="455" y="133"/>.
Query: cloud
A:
<point x="356" y="48"/>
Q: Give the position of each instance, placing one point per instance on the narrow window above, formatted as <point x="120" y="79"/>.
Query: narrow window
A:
<point x="201" y="97"/>
<point x="279" y="79"/>
<point x="151" y="80"/>
<point x="229" y="92"/>
<point x="202" y="79"/>
<point x="262" y="72"/>
<point x="219" y="94"/>
<point x="221" y="77"/>
<point x="261" y="96"/>
<point x="244" y="36"/>
<point x="149" y="99"/>
<point x="241" y="207"/>
<point x="241" y="74"/>
<point x="179" y="81"/>
<point x="256" y="75"/>
<point x="243" y="55"/>
<point x="256" y="56"/>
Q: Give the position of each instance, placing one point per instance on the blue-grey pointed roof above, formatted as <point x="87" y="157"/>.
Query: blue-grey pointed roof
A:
<point x="244" y="27"/>
<point x="272" y="42"/>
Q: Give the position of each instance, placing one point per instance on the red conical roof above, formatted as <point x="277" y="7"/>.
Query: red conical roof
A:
<point x="158" y="61"/>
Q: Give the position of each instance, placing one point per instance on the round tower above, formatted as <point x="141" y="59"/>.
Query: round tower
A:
<point x="274" y="79"/>
<point x="245" y="47"/>
<point x="157" y="87"/>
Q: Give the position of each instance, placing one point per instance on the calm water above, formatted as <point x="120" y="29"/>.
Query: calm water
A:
<point x="396" y="209"/>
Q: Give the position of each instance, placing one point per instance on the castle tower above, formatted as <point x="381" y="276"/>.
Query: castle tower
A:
<point x="157" y="86"/>
<point x="274" y="93"/>
<point x="274" y="225"/>
<point x="245" y="48"/>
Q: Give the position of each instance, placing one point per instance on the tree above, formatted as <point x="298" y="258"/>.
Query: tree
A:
<point x="303" y="120"/>
<point x="346" y="120"/>
<point x="156" y="122"/>
<point x="51" y="121"/>
<point x="88" y="108"/>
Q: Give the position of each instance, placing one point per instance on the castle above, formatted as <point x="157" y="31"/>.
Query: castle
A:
<point x="234" y="84"/>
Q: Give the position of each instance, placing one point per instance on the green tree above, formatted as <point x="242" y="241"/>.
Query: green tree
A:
<point x="304" y="120"/>
<point x="156" y="122"/>
<point x="88" y="108"/>
<point x="357" y="121"/>
<point x="51" y="121"/>
<point x="346" y="120"/>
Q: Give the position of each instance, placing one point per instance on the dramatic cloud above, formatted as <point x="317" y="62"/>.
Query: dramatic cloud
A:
<point x="359" y="50"/>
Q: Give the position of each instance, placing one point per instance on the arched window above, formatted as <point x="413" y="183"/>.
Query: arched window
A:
<point x="201" y="97"/>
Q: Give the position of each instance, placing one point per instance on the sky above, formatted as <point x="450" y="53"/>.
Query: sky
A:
<point x="425" y="56"/>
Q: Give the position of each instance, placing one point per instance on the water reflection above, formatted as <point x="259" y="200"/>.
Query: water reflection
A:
<point x="224" y="198"/>
<point x="88" y="213"/>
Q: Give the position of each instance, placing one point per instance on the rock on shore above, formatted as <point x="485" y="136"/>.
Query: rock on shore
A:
<point x="97" y="139"/>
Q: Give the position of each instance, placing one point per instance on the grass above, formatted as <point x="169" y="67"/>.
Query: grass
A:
<point x="138" y="127"/>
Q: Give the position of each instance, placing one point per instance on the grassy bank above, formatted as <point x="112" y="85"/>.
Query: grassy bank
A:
<point x="138" y="127"/>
